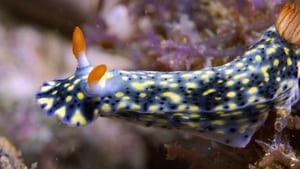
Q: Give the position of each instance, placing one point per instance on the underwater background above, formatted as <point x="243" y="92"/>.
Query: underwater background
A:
<point x="164" y="35"/>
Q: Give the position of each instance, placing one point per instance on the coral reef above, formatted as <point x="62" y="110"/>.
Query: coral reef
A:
<point x="10" y="157"/>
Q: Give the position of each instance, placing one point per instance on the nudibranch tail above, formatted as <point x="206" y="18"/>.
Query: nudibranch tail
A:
<point x="288" y="23"/>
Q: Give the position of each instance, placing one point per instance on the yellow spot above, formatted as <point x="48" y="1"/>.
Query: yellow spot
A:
<point x="264" y="70"/>
<point x="121" y="105"/>
<point x="205" y="77"/>
<point x="251" y="99"/>
<point x="260" y="46"/>
<point x="163" y="83"/>
<point x="80" y="95"/>
<point x="220" y="81"/>
<point x="178" y="114"/>
<point x="258" y="58"/>
<point x="290" y="83"/>
<point x="230" y="94"/>
<point x="135" y="107"/>
<point x="182" y="107"/>
<point x="209" y="72"/>
<point x="252" y="90"/>
<point x="187" y="76"/>
<point x="220" y="113"/>
<point x="228" y="71"/>
<point x="146" y="118"/>
<point x="54" y="92"/>
<point x="76" y="81"/>
<point x="193" y="124"/>
<point x="236" y="113"/>
<point x="172" y="96"/>
<point x="276" y="62"/>
<point x="289" y="61"/>
<point x="166" y="76"/>
<point x="270" y="51"/>
<point x="195" y="115"/>
<point x="230" y="83"/>
<point x="239" y="64"/>
<point x="245" y="81"/>
<point x="70" y="88"/>
<point x="138" y="86"/>
<point x="149" y="82"/>
<point x="173" y="85"/>
<point x="78" y="118"/>
<point x="286" y="50"/>
<point x="46" y="88"/>
<point x="193" y="108"/>
<point x="218" y="98"/>
<point x="106" y="108"/>
<point x="96" y="111"/>
<point x="243" y="128"/>
<point x="61" y="112"/>
<point x="298" y="66"/>
<point x="219" y="107"/>
<point x="68" y="99"/>
<point x="218" y="122"/>
<point x="190" y="85"/>
<point x="259" y="106"/>
<point x="220" y="132"/>
<point x="208" y="91"/>
<point x="67" y="84"/>
<point x="278" y="79"/>
<point x="161" y="121"/>
<point x="251" y="68"/>
<point x="125" y="78"/>
<point x="153" y="108"/>
<point x="142" y="95"/>
<point x="232" y="106"/>
<point x="119" y="94"/>
<point x="47" y="101"/>
<point x="238" y="76"/>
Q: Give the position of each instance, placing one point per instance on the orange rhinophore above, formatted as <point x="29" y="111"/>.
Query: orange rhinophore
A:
<point x="96" y="74"/>
<point x="288" y="23"/>
<point x="78" y="42"/>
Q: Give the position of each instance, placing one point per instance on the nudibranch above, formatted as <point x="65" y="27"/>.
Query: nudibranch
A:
<point x="227" y="104"/>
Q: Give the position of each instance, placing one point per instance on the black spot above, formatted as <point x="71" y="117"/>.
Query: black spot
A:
<point x="227" y="141"/>
<point x="145" y="106"/>
<point x="173" y="107"/>
<point x="232" y="130"/>
<point x="246" y="136"/>
<point x="254" y="120"/>
<point x="210" y="128"/>
<point x="149" y="123"/>
<point x="67" y="117"/>
<point x="77" y="124"/>
<point x="43" y="106"/>
<point x="71" y="106"/>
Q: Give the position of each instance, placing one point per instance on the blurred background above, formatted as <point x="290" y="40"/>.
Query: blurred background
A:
<point x="161" y="35"/>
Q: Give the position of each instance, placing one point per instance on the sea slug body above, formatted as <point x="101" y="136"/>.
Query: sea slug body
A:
<point x="226" y="104"/>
